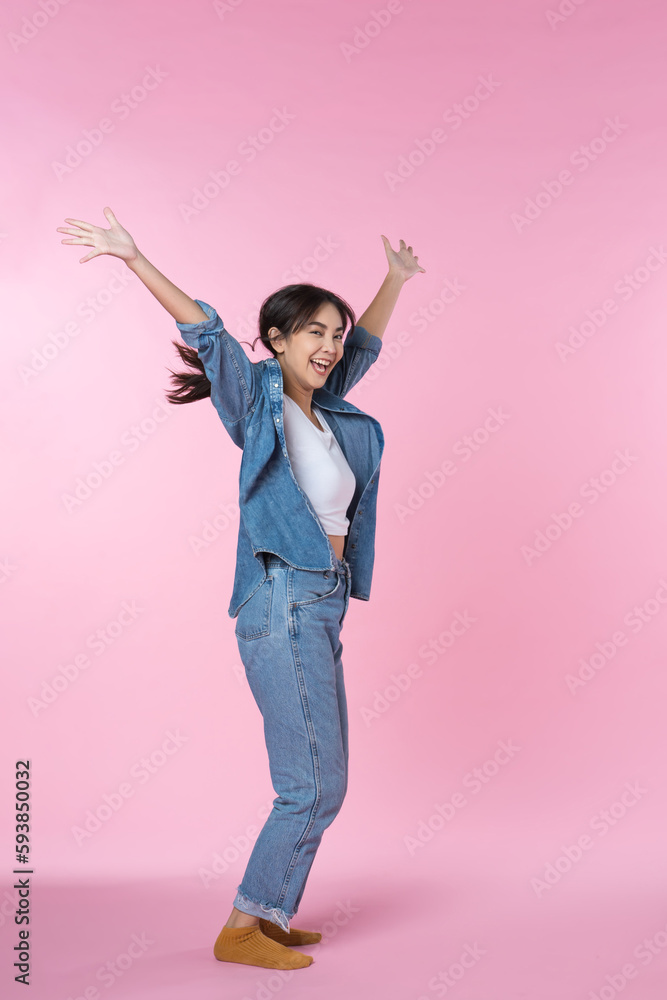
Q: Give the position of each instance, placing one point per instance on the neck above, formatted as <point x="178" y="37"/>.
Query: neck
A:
<point x="303" y="397"/>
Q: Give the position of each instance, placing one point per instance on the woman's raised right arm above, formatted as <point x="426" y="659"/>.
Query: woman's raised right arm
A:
<point x="117" y="242"/>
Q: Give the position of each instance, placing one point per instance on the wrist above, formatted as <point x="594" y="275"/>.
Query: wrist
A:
<point x="395" y="276"/>
<point x="136" y="261"/>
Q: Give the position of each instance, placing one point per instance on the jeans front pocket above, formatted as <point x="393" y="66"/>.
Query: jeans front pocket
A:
<point x="310" y="586"/>
<point x="254" y="617"/>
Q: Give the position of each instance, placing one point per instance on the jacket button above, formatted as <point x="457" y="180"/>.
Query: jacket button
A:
<point x="277" y="420"/>
<point x="275" y="384"/>
<point x="326" y="574"/>
<point x="372" y="481"/>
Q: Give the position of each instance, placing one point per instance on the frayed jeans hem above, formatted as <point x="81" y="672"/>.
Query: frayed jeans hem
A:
<point x="255" y="909"/>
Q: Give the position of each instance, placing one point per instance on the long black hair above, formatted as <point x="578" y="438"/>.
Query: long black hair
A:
<point x="288" y="309"/>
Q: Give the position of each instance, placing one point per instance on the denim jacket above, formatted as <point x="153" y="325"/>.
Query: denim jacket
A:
<point x="275" y="513"/>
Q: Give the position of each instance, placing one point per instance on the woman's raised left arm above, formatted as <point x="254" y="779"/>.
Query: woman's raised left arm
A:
<point x="402" y="265"/>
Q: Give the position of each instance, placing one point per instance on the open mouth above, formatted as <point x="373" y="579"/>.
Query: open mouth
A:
<point x="320" y="367"/>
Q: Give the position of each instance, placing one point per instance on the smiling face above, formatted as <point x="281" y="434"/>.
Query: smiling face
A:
<point x="320" y="340"/>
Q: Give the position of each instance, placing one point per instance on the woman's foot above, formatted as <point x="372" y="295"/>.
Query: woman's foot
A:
<point x="249" y="946"/>
<point x="295" y="938"/>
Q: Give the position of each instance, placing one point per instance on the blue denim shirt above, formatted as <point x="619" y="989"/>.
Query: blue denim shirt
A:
<point x="275" y="513"/>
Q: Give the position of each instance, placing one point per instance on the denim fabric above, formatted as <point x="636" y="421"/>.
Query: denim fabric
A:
<point x="288" y="634"/>
<point x="276" y="515"/>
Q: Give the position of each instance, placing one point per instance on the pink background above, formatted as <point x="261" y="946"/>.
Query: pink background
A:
<point x="397" y="911"/>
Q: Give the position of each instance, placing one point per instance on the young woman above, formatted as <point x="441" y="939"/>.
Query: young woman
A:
<point x="306" y="544"/>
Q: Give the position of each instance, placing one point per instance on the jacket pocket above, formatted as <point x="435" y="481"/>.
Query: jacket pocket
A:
<point x="254" y="617"/>
<point x="311" y="586"/>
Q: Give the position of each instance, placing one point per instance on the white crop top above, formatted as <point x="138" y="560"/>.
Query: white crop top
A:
<point x="319" y="465"/>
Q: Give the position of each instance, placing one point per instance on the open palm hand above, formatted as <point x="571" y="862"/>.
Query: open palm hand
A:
<point x="115" y="241"/>
<point x="402" y="260"/>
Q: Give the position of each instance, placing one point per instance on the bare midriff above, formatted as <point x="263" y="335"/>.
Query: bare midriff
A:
<point x="337" y="544"/>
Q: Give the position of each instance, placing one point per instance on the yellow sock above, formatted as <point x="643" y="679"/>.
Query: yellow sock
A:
<point x="248" y="946"/>
<point x="294" y="937"/>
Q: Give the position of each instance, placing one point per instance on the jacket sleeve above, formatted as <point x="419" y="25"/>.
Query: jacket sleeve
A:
<point x="360" y="350"/>
<point x="234" y="382"/>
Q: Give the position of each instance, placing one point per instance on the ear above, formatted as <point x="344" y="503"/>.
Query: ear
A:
<point x="278" y="345"/>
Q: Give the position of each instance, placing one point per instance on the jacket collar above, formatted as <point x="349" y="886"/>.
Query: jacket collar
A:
<point x="273" y="379"/>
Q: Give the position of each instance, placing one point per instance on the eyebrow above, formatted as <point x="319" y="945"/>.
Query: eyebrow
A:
<point x="315" y="322"/>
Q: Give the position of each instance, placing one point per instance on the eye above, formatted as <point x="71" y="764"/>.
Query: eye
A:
<point x="318" y="333"/>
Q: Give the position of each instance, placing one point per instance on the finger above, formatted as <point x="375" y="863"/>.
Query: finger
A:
<point x="67" y="229"/>
<point x="110" y="216"/>
<point x="93" y="253"/>
<point x="82" y="225"/>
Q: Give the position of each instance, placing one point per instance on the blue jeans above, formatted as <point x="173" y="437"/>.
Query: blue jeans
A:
<point x="288" y="635"/>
